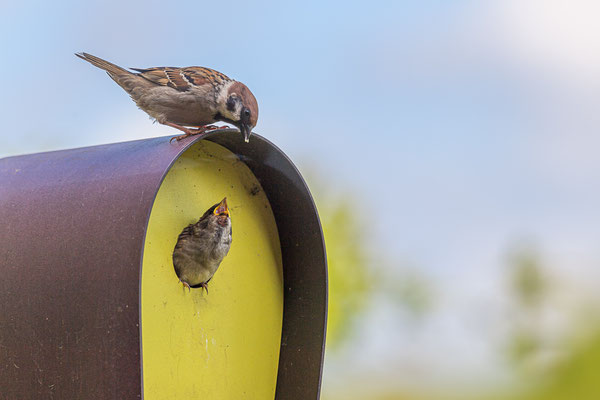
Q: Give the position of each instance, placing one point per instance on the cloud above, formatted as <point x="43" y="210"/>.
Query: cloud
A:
<point x="555" y="36"/>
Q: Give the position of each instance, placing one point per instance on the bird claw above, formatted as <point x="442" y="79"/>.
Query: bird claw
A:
<point x="178" y="138"/>
<point x="204" y="286"/>
<point x="189" y="132"/>
<point x="185" y="284"/>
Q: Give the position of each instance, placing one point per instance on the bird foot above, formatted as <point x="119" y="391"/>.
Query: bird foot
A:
<point x="204" y="286"/>
<point x="214" y="127"/>
<point x="188" y="132"/>
<point x="186" y="285"/>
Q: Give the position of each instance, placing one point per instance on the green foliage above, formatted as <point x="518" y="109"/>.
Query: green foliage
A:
<point x="527" y="280"/>
<point x="356" y="268"/>
<point x="577" y="374"/>
<point x="577" y="377"/>
<point x="411" y="291"/>
<point x="347" y="259"/>
<point x="528" y="289"/>
<point x="523" y="344"/>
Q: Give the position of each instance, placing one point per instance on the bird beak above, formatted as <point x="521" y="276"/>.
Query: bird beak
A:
<point x="222" y="208"/>
<point x="246" y="131"/>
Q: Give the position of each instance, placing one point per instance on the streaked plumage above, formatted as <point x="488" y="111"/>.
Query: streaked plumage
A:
<point x="185" y="97"/>
<point x="201" y="247"/>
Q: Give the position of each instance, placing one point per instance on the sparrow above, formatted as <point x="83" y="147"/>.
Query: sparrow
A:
<point x="202" y="246"/>
<point x="186" y="97"/>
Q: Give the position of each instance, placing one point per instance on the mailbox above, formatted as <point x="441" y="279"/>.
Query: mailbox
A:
<point x="92" y="307"/>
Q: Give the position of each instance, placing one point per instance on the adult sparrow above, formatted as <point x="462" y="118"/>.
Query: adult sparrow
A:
<point x="202" y="246"/>
<point x="186" y="97"/>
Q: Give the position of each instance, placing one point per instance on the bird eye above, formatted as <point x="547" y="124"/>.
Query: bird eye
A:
<point x="246" y="112"/>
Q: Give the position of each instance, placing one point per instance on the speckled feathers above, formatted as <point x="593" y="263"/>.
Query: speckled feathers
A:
<point x="183" y="79"/>
<point x="185" y="97"/>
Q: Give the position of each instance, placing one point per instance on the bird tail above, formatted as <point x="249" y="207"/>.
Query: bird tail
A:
<point x="127" y="80"/>
<point x="114" y="71"/>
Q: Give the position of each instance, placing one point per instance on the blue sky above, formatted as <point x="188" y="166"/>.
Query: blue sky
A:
<point x="475" y="123"/>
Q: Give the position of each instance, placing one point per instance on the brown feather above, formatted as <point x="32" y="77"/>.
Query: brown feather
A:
<point x="186" y="233"/>
<point x="202" y="75"/>
<point x="182" y="78"/>
<point x="154" y="75"/>
<point x="111" y="68"/>
<point x="249" y="100"/>
<point x="129" y="81"/>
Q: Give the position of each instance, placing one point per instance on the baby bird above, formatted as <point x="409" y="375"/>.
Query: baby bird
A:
<point x="202" y="246"/>
<point x="186" y="97"/>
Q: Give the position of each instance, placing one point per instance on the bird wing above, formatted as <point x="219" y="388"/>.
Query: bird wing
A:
<point x="187" y="232"/>
<point x="184" y="236"/>
<point x="182" y="79"/>
<point x="191" y="232"/>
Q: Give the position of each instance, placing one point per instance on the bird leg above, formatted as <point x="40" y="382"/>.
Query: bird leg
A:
<point x="189" y="131"/>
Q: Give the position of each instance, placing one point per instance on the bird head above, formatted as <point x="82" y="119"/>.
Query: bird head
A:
<point x="238" y="106"/>
<point x="220" y="212"/>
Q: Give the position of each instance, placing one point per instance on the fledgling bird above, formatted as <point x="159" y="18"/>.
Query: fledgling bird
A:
<point x="202" y="246"/>
<point x="186" y="97"/>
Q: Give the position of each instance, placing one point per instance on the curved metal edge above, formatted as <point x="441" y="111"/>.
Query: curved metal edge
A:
<point x="305" y="268"/>
<point x="325" y="266"/>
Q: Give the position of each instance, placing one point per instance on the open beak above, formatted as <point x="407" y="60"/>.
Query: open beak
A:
<point x="222" y="208"/>
<point x="246" y="131"/>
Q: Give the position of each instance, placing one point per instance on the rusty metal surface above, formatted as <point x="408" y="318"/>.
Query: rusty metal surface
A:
<point x="71" y="241"/>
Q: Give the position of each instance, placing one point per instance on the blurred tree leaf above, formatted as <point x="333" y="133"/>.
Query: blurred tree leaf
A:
<point x="577" y="377"/>
<point x="411" y="290"/>
<point x="523" y="345"/>
<point x="357" y="266"/>
<point x="528" y="289"/>
<point x="527" y="280"/>
<point x="347" y="260"/>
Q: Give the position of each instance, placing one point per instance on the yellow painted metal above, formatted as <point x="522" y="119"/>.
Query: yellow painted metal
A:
<point x="224" y="344"/>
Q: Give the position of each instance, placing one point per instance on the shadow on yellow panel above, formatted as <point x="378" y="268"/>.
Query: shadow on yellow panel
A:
<point x="224" y="344"/>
